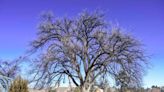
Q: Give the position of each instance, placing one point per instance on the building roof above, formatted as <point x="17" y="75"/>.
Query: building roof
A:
<point x="62" y="89"/>
<point x="36" y="90"/>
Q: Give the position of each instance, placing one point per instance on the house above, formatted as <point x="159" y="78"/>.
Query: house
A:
<point x="64" y="89"/>
<point x="156" y="90"/>
<point x="71" y="89"/>
<point x="148" y="90"/>
<point x="36" y="90"/>
<point x="61" y="89"/>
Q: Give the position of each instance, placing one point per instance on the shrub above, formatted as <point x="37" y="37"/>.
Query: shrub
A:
<point x="19" y="85"/>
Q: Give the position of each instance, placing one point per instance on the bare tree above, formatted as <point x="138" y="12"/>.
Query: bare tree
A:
<point x="9" y="68"/>
<point x="82" y="49"/>
<point x="8" y="71"/>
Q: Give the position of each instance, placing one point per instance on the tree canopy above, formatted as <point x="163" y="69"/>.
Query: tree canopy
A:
<point x="83" y="48"/>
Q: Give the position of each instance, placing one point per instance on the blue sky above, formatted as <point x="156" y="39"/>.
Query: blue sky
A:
<point x="142" y="18"/>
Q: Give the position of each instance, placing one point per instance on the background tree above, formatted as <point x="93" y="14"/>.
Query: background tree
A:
<point x="8" y="71"/>
<point x="82" y="49"/>
<point x="10" y="68"/>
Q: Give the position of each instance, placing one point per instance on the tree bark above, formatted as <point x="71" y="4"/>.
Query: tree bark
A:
<point x="84" y="89"/>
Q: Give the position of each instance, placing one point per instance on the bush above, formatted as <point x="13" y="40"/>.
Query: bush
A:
<point x="19" y="85"/>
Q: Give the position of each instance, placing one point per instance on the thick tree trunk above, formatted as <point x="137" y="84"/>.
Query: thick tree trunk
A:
<point x="105" y="89"/>
<point x="121" y="89"/>
<point x="85" y="89"/>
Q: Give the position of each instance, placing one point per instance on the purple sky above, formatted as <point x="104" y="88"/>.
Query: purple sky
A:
<point x="143" y="18"/>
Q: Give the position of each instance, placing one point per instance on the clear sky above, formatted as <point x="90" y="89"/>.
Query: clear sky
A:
<point x="143" y="18"/>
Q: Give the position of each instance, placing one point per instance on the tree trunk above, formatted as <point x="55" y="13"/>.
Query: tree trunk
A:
<point x="105" y="89"/>
<point x="84" y="89"/>
<point x="121" y="89"/>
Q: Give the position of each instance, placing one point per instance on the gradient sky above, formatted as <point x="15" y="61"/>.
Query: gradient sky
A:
<point x="142" y="18"/>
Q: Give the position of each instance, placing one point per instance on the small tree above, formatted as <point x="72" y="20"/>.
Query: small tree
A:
<point x="8" y="71"/>
<point x="19" y="85"/>
<point x="10" y="68"/>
